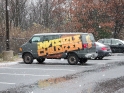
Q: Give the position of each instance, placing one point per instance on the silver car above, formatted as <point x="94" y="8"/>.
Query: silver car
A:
<point x="102" y="50"/>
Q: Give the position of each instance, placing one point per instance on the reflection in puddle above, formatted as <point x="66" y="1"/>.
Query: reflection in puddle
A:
<point x="52" y="81"/>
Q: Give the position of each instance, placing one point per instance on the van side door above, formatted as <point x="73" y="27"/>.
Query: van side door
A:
<point x="50" y="50"/>
<point x="33" y="47"/>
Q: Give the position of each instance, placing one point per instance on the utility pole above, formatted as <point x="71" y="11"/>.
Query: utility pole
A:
<point x="7" y="55"/>
<point x="7" y="27"/>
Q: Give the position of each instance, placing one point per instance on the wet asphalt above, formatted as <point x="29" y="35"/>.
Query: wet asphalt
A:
<point x="105" y="77"/>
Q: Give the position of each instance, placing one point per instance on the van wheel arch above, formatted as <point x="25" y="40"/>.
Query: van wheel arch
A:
<point x="69" y="53"/>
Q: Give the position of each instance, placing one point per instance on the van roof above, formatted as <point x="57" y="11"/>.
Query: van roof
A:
<point x="59" y="33"/>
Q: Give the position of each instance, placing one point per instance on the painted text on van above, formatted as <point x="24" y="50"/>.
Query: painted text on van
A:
<point x="59" y="45"/>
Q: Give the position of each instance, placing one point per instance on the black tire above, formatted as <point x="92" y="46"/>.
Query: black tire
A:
<point x="28" y="58"/>
<point x="73" y="59"/>
<point x="83" y="60"/>
<point x="100" y="58"/>
<point x="95" y="58"/>
<point x="40" y="60"/>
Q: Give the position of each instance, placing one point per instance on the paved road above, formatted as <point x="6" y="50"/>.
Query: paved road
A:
<point x="29" y="77"/>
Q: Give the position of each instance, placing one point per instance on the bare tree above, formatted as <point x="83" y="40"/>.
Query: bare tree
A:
<point x="18" y="12"/>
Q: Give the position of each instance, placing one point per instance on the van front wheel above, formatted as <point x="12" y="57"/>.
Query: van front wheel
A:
<point x="28" y="58"/>
<point x="73" y="59"/>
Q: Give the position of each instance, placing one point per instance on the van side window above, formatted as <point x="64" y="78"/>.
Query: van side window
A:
<point x="35" y="39"/>
<point x="46" y="38"/>
<point x="55" y="36"/>
<point x="50" y="37"/>
<point x="92" y="38"/>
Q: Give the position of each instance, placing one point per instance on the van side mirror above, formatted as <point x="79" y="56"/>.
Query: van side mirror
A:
<point x="30" y="41"/>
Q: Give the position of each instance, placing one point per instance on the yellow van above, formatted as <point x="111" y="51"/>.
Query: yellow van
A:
<point x="75" y="47"/>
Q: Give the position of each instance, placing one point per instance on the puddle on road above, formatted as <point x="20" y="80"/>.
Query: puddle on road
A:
<point x="52" y="81"/>
<point x="39" y="84"/>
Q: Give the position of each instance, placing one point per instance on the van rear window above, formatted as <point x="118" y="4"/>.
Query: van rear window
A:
<point x="90" y="37"/>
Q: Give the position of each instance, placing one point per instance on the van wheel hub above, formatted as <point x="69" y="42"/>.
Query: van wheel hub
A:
<point x="72" y="59"/>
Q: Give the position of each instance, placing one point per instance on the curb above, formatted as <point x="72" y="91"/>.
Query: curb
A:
<point x="8" y="64"/>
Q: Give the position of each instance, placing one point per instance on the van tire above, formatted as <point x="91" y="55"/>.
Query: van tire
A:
<point x="72" y="59"/>
<point x="40" y="60"/>
<point x="83" y="60"/>
<point x="28" y="58"/>
<point x="100" y="58"/>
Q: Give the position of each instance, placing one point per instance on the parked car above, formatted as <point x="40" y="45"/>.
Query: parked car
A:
<point x="116" y="45"/>
<point x="102" y="50"/>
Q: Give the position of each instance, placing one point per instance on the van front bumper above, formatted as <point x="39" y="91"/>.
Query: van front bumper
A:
<point x="20" y="55"/>
<point x="91" y="55"/>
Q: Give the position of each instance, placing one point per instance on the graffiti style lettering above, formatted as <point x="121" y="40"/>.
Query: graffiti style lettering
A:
<point x="71" y="47"/>
<point x="60" y="45"/>
<point x="77" y="38"/>
<point x="58" y="49"/>
<point x="66" y="40"/>
<point x="51" y="50"/>
<point x="56" y="42"/>
<point x="41" y="45"/>
<point x="65" y="47"/>
<point x="78" y="45"/>
<point x="47" y="43"/>
<point x="41" y="52"/>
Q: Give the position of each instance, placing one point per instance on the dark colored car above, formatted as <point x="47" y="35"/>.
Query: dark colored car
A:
<point x="116" y="45"/>
<point x="102" y="50"/>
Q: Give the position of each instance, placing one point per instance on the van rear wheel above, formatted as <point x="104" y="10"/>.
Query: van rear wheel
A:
<point x="100" y="58"/>
<point x="28" y="58"/>
<point x="73" y="59"/>
<point x="83" y="60"/>
<point x="40" y="60"/>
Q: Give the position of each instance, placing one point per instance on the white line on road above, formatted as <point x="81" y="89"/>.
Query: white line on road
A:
<point x="22" y="74"/>
<point x="39" y="69"/>
<point x="7" y="83"/>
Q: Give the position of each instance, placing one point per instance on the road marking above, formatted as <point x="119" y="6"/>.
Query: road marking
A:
<point x="38" y="69"/>
<point x="7" y="83"/>
<point x="23" y="74"/>
<point x="101" y="63"/>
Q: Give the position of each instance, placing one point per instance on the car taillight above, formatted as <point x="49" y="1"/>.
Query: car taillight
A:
<point x="103" y="48"/>
<point x="85" y="45"/>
